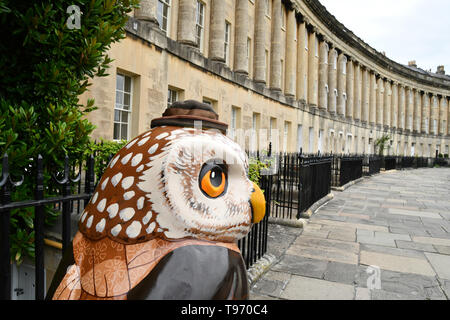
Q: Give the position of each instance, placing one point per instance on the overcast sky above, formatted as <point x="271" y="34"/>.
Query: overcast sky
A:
<point x="405" y="29"/>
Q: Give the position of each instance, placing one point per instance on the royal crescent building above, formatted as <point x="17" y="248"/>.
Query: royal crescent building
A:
<point x="275" y="70"/>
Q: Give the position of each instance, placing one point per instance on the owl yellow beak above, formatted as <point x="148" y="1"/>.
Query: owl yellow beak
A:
<point x="258" y="203"/>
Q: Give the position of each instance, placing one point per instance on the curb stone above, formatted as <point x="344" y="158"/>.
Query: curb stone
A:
<point x="260" y="267"/>
<point x="345" y="186"/>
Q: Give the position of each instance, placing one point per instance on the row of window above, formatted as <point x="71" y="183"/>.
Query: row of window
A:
<point x="163" y="17"/>
<point x="123" y="110"/>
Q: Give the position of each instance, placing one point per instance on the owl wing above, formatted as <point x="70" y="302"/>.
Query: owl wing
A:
<point x="195" y="272"/>
<point x="106" y="269"/>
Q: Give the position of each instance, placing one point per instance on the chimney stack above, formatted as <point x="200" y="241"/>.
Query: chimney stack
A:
<point x="412" y="63"/>
<point x="440" y="70"/>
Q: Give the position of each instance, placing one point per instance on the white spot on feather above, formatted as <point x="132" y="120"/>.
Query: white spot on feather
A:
<point x="115" y="180"/>
<point x="101" y="225"/>
<point x="126" y="214"/>
<point x="162" y="135"/>
<point x="153" y="148"/>
<point x="104" y="183"/>
<point x="140" y="143"/>
<point x="115" y="231"/>
<point x="83" y="216"/>
<point x="140" y="203"/>
<point x="113" y="209"/>
<point x="127" y="182"/>
<point x="147" y="217"/>
<point x="126" y="158"/>
<point x="89" y="221"/>
<point x="136" y="159"/>
<point x="151" y="227"/>
<point x="94" y="198"/>
<point x="113" y="162"/>
<point x="140" y="168"/>
<point x="128" y="146"/>
<point x="134" y="229"/>
<point x="128" y="195"/>
<point x="101" y="205"/>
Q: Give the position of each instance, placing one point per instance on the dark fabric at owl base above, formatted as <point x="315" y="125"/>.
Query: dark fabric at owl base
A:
<point x="188" y="273"/>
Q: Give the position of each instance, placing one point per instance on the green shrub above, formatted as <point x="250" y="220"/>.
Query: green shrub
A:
<point x="254" y="169"/>
<point x="103" y="152"/>
<point x="44" y="68"/>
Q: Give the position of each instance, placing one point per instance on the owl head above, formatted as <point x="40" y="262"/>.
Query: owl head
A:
<point x="184" y="178"/>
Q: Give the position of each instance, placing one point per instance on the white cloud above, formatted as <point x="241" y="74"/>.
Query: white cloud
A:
<point x="405" y="29"/>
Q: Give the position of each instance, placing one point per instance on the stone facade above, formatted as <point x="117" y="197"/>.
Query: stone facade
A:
<point x="279" y="64"/>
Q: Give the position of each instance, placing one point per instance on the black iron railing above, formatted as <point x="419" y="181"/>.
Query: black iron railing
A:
<point x="67" y="201"/>
<point x="300" y="181"/>
<point x="390" y="162"/>
<point x="70" y="202"/>
<point x="254" y="245"/>
<point x="372" y="164"/>
<point x="346" y="168"/>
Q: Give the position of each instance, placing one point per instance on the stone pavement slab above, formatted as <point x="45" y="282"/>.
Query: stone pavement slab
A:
<point x="396" y="263"/>
<point x="440" y="263"/>
<point x="303" y="288"/>
<point x="303" y="266"/>
<point x="325" y="249"/>
<point x="415" y="246"/>
<point x="432" y="240"/>
<point x="392" y="229"/>
<point x="341" y="272"/>
<point x="442" y="249"/>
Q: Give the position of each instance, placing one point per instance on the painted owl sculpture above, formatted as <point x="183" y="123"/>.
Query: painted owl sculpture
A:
<point x="165" y="217"/>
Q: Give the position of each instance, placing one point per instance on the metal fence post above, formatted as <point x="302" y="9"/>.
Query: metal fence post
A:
<point x="5" y="254"/>
<point x="39" y="219"/>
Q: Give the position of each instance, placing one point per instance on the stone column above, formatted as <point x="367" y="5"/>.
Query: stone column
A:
<point x="313" y="70"/>
<point x="380" y="92"/>
<point x="260" y="39"/>
<point x="409" y="109"/>
<point x="350" y="89"/>
<point x="275" y="61"/>
<point x="401" y="106"/>
<point x="434" y="114"/>
<point x="217" y="31"/>
<point x="147" y="11"/>
<point x="357" y="92"/>
<point x="417" y="111"/>
<point x="425" y="113"/>
<point x="302" y="62"/>
<point x="365" y="96"/>
<point x="332" y="73"/>
<point x="394" y="105"/>
<point x="323" y="75"/>
<point x="373" y="99"/>
<point x="443" y="115"/>
<point x="448" y="115"/>
<point x="186" y="22"/>
<point x="291" y="54"/>
<point x="241" y="63"/>
<point x="342" y="84"/>
<point x="387" y="104"/>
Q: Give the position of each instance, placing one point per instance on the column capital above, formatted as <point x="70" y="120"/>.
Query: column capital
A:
<point x="308" y="24"/>
<point x="147" y="11"/>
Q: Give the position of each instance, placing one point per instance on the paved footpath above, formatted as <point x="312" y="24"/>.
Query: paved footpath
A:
<point x="387" y="237"/>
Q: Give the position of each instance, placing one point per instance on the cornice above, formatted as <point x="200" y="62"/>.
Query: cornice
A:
<point x="348" y="37"/>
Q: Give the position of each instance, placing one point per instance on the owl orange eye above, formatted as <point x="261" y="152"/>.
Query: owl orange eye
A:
<point x="213" y="180"/>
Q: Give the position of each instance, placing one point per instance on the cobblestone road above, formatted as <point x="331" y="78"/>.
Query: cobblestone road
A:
<point x="387" y="237"/>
